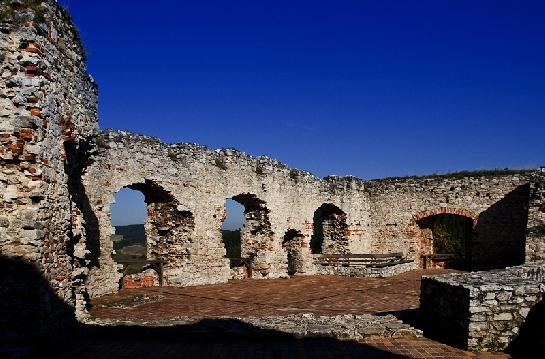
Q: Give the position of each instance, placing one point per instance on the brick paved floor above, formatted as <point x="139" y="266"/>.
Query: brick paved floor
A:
<point x="318" y="294"/>
<point x="324" y="295"/>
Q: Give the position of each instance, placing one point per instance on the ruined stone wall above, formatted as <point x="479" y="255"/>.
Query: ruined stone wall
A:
<point x="276" y="197"/>
<point x="378" y="216"/>
<point x="482" y="310"/>
<point x="496" y="203"/>
<point x="59" y="176"/>
<point x="48" y="105"/>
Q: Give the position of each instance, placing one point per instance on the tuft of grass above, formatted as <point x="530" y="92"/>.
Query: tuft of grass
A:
<point x="172" y="155"/>
<point x="101" y="142"/>
<point x="294" y="175"/>
<point x="259" y="170"/>
<point x="462" y="174"/>
<point x="220" y="163"/>
<point x="130" y="301"/>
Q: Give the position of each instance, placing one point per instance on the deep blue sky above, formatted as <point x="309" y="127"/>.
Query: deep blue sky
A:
<point x="367" y="88"/>
<point x="129" y="208"/>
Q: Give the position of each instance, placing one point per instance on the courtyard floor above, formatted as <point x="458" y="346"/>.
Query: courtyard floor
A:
<point x="322" y="295"/>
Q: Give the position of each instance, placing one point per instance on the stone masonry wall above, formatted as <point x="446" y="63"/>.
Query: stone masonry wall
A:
<point x="482" y="310"/>
<point x="48" y="105"/>
<point x="381" y="216"/>
<point x="535" y="237"/>
<point x="277" y="199"/>
<point x="343" y="326"/>
<point x="497" y="204"/>
<point x="59" y="176"/>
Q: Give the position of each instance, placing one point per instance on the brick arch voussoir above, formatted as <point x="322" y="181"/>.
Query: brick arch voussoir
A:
<point x="443" y="210"/>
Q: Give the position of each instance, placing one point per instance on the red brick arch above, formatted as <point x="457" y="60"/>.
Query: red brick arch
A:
<point x="419" y="245"/>
<point x="443" y="210"/>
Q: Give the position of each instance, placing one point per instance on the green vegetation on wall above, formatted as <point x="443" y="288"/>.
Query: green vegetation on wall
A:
<point x="451" y="233"/>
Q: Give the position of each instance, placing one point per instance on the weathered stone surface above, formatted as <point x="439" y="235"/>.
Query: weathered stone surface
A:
<point x="459" y="304"/>
<point x="356" y="216"/>
<point x="345" y="326"/>
<point x="47" y="106"/>
<point x="535" y="235"/>
<point x="59" y="176"/>
<point x="364" y="271"/>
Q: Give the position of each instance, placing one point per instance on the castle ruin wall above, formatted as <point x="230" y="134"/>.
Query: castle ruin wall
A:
<point x="381" y="216"/>
<point x="59" y="176"/>
<point x="48" y="105"/>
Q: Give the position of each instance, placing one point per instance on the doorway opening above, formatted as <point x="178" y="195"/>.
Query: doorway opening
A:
<point x="446" y="241"/>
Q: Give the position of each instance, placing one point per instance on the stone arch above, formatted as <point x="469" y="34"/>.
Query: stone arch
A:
<point x="167" y="222"/>
<point x="423" y="246"/>
<point x="168" y="227"/>
<point x="256" y="237"/>
<point x="329" y="230"/>
<point x="443" y="210"/>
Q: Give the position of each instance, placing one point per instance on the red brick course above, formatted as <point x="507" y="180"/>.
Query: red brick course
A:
<point x="143" y="282"/>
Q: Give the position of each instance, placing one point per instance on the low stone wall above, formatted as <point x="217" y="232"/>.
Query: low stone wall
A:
<point x="345" y="326"/>
<point x="361" y="271"/>
<point x="482" y="310"/>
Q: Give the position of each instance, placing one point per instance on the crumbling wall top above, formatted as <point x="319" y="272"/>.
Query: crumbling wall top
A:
<point x="31" y="18"/>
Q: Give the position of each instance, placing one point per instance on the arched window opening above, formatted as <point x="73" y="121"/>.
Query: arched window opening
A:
<point x="128" y="214"/>
<point x="231" y="231"/>
<point x="159" y="243"/>
<point x="255" y="235"/>
<point x="329" y="235"/>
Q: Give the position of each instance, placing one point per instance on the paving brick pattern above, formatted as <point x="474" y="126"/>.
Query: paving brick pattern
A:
<point x="322" y="295"/>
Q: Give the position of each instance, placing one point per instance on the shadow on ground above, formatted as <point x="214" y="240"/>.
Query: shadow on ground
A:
<point x="431" y="330"/>
<point x="529" y="342"/>
<point x="206" y="339"/>
<point x="35" y="323"/>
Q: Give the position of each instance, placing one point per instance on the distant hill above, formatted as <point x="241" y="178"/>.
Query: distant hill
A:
<point x="133" y="234"/>
<point x="130" y="244"/>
